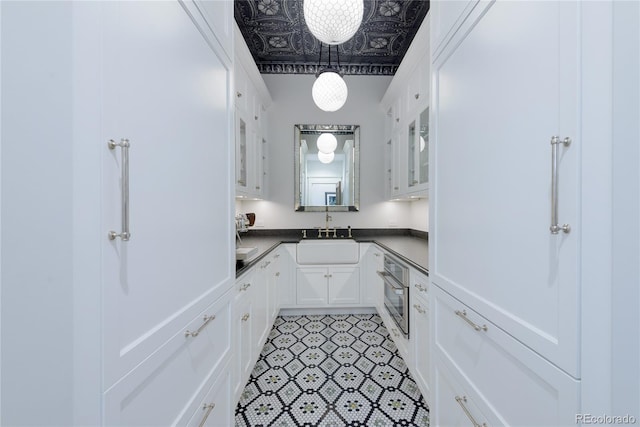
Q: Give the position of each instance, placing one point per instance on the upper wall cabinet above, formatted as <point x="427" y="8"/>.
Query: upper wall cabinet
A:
<point x="407" y="128"/>
<point x="216" y="14"/>
<point x="251" y="100"/>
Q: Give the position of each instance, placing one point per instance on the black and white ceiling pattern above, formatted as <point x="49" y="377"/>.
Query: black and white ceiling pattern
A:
<point x="280" y="42"/>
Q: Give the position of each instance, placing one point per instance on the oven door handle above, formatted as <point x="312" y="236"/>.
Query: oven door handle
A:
<point x="388" y="279"/>
<point x="383" y="274"/>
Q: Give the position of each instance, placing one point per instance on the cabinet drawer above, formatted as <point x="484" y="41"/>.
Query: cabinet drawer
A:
<point x="158" y="390"/>
<point x="419" y="284"/>
<point x="515" y="381"/>
<point x="454" y="404"/>
<point x="215" y="409"/>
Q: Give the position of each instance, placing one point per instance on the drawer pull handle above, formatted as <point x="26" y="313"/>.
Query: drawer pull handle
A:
<point x="461" y="401"/>
<point x="277" y="274"/>
<point x="463" y="315"/>
<point x="207" y="408"/>
<point x="420" y="309"/>
<point x="245" y="286"/>
<point x="420" y="287"/>
<point x="206" y="320"/>
<point x="245" y="317"/>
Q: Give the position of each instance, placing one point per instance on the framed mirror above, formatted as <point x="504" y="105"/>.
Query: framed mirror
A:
<point x="326" y="168"/>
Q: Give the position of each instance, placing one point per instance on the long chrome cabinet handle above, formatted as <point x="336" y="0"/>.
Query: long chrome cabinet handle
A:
<point x="206" y="320"/>
<point x="463" y="315"/>
<point x="555" y="151"/>
<point x="124" y="144"/>
<point x="461" y="401"/>
<point x="207" y="408"/>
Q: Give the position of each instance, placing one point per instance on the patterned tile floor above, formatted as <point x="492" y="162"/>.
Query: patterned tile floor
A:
<point x="331" y="370"/>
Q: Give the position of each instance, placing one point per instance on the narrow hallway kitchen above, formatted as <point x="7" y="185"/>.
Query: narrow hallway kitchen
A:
<point x="219" y="213"/>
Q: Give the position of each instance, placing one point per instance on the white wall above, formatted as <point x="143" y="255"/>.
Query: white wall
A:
<point x="292" y="104"/>
<point x="420" y="215"/>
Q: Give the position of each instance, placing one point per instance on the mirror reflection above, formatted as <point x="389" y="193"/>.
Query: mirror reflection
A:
<point x="326" y="168"/>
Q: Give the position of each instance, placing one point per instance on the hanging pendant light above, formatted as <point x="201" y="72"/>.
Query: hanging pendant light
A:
<point x="327" y="143"/>
<point x="329" y="91"/>
<point x="326" y="158"/>
<point x="333" y="21"/>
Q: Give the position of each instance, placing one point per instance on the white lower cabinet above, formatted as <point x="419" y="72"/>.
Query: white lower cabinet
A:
<point x="321" y="286"/>
<point x="399" y="340"/>
<point x="419" y="341"/>
<point x="510" y="384"/>
<point x="161" y="389"/>
<point x="242" y="323"/>
<point x="256" y="304"/>
<point x="215" y="409"/>
<point x="286" y="287"/>
<point x="371" y="284"/>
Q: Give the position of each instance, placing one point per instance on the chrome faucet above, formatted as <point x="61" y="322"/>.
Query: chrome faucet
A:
<point x="327" y="230"/>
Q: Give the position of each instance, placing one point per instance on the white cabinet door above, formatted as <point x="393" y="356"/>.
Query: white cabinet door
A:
<point x="178" y="121"/>
<point x="274" y="278"/>
<point x="243" y="339"/>
<point x="286" y="286"/>
<point x="260" y="297"/>
<point x="344" y="285"/>
<point x="311" y="284"/>
<point x="419" y="346"/>
<point x="517" y="65"/>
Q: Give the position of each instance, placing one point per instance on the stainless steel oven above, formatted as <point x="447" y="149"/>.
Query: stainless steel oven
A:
<point x="396" y="292"/>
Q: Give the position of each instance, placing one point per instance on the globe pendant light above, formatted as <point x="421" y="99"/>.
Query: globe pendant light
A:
<point x="326" y="158"/>
<point x="327" y="143"/>
<point x="329" y="91"/>
<point x="333" y="21"/>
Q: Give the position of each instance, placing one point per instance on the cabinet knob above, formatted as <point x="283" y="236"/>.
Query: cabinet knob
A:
<point x="245" y="317"/>
<point x="255" y="117"/>
<point x="239" y="95"/>
<point x="417" y="95"/>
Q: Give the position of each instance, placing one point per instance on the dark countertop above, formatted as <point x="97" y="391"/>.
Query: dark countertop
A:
<point x="410" y="246"/>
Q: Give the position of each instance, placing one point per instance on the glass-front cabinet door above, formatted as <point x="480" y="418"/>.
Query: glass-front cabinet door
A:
<point x="241" y="154"/>
<point x="412" y="168"/>
<point x="423" y="147"/>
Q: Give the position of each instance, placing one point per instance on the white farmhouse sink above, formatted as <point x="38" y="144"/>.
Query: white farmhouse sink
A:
<point x="328" y="251"/>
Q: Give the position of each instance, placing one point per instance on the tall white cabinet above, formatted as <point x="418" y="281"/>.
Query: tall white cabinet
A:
<point x="512" y="98"/>
<point x="141" y="327"/>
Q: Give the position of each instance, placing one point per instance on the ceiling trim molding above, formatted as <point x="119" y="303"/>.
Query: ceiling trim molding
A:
<point x="351" y="70"/>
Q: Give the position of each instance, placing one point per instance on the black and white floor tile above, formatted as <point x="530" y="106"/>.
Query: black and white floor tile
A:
<point x="331" y="370"/>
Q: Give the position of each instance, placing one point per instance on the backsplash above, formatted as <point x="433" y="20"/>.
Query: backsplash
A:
<point x="403" y="215"/>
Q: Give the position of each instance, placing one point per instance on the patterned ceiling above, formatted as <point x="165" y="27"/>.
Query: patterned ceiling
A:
<point x="278" y="38"/>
